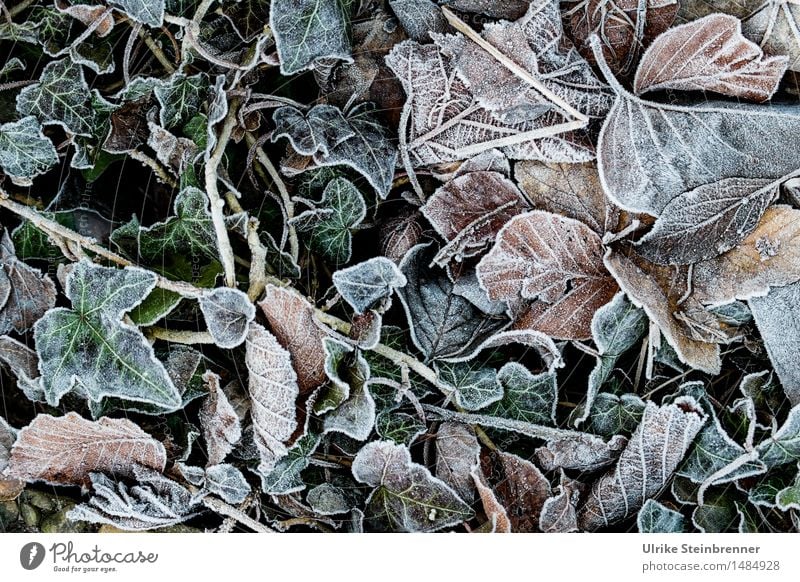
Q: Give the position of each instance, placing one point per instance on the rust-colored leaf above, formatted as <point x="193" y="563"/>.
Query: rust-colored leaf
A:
<point x="519" y="486"/>
<point x="219" y="421"/>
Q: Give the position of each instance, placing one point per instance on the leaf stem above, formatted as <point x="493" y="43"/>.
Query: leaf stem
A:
<point x="185" y="337"/>
<point x="229" y="511"/>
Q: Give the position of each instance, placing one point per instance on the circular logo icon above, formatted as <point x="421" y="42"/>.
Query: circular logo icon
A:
<point x="31" y="555"/>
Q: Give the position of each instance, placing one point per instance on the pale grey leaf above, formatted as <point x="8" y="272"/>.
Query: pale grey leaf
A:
<point x="25" y="152"/>
<point x="365" y="284"/>
<point x="559" y="513"/>
<point x="194" y="475"/>
<point x="457" y="452"/>
<point x="227" y="482"/>
<point x="655" y="517"/>
<point x="580" y="452"/>
<point x="31" y="292"/>
<point x="327" y="499"/>
<point x="419" y="18"/>
<point x="406" y="497"/>
<point x="20" y="359"/>
<point x="773" y="24"/>
<point x="150" y="12"/>
<point x="273" y="392"/>
<point x="228" y="312"/>
<point x="654" y="451"/>
<point x="473" y="389"/>
<point x="218" y="419"/>
<point x="7" y="437"/>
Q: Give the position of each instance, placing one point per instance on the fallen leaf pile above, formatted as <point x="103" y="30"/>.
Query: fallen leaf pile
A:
<point x="400" y="265"/>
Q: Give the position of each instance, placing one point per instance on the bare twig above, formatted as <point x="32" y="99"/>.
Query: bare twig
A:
<point x="189" y="338"/>
<point x="228" y="510"/>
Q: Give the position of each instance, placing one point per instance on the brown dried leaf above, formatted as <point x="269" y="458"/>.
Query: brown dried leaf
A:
<point x="768" y="257"/>
<point x="291" y="319"/>
<point x="555" y="259"/>
<point x="710" y="54"/>
<point x="273" y="389"/>
<point x="519" y="486"/>
<point x="30" y="292"/>
<point x="457" y="451"/>
<point x="774" y="25"/>
<point x="656" y="448"/>
<point x="219" y="421"/>
<point x="468" y="212"/>
<point x="658" y="290"/>
<point x="492" y="507"/>
<point x="129" y="128"/>
<point x="19" y="357"/>
<point x="559" y="513"/>
<point x="572" y="190"/>
<point x="99" y="17"/>
<point x="400" y="234"/>
<point x="64" y="450"/>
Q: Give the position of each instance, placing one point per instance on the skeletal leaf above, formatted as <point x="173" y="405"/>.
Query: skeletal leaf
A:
<point x="457" y="451"/>
<point x="707" y="221"/>
<point x="555" y="259"/>
<point x="406" y="497"/>
<point x="778" y="321"/>
<point x="365" y="284"/>
<point x="273" y="392"/>
<point x="90" y="350"/>
<point x="285" y="477"/>
<point x="559" y="514"/>
<point x="419" y="18"/>
<point x="443" y="324"/>
<point x="766" y="258"/>
<point x="519" y="486"/>
<point x="31" y="293"/>
<point x="774" y="25"/>
<point x="65" y="450"/>
<point x="227" y="482"/>
<point x="150" y="12"/>
<point x="291" y="319"/>
<point x="357" y="140"/>
<point x="580" y="451"/>
<point x="649" y="152"/>
<point x="612" y="414"/>
<point x="710" y="54"/>
<point x="330" y="224"/>
<point x="218" y="419"/>
<point x="470" y="210"/>
<point x="228" y="312"/>
<point x="61" y="96"/>
<point x="25" y="152"/>
<point x="473" y="388"/>
<point x="655" y="517"/>
<point x="525" y="396"/>
<point x="154" y="502"/>
<point x="307" y="31"/>
<point x="654" y="451"/>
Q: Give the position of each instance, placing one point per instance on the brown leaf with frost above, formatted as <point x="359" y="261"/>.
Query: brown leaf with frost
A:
<point x="559" y="513"/>
<point x="494" y="510"/>
<point x="64" y="450"/>
<point x="519" y="486"/>
<point x="710" y="54"/>
<point x="399" y="233"/>
<point x="457" y="452"/>
<point x="291" y="319"/>
<point x="30" y="293"/>
<point x="219" y="421"/>
<point x="580" y="451"/>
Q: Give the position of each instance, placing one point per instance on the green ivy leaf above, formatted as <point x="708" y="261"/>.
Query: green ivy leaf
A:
<point x="654" y="517"/>
<point x="150" y="12"/>
<point x="24" y="151"/>
<point x="180" y="98"/>
<point x="526" y="396"/>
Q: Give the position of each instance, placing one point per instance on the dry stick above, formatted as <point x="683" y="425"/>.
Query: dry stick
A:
<point x="217" y="204"/>
<point x="467" y="31"/>
<point x="159" y="171"/>
<point x="189" y="338"/>
<point x="20" y="7"/>
<point x="158" y="53"/>
<point x="229" y="511"/>
<point x="258" y="252"/>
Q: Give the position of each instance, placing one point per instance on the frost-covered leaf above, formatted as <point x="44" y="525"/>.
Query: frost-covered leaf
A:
<point x="789" y="497"/>
<point x="221" y="425"/>
<point x="494" y="510"/>
<point x="7" y="438"/>
<point x="443" y="324"/>
<point x="150" y="12"/>
<point x="654" y="517"/>
<point x="154" y="502"/>
<point x="649" y="152"/>
<point x="419" y="18"/>
<point x="777" y="317"/>
<point x="768" y="257"/>
<point x="773" y="24"/>
<point x="470" y="210"/>
<point x="25" y="152"/>
<point x="330" y="224"/>
<point x="559" y="514"/>
<point x="308" y="30"/>
<point x="399" y="427"/>
<point x="89" y="349"/>
<point x="555" y="259"/>
<point x="526" y="396"/>
<point x="354" y="415"/>
<point x="273" y="392"/>
<point x="406" y="497"/>
<point x="783" y="446"/>
<point x="61" y="96"/>
<point x="227" y="482"/>
<point x="612" y="414"/>
<point x="176" y="153"/>
<point x="228" y="312"/>
<point x="519" y="486"/>
<point x="18" y="357"/>
<point x="710" y="54"/>
<point x="357" y="140"/>
<point x="707" y="221"/>
<point x="327" y="499"/>
<point x="654" y="451"/>
<point x="473" y="388"/>
<point x="291" y="319"/>
<point x="65" y="450"/>
<point x="508" y="10"/>
<point x="717" y="515"/>
<point x="400" y="234"/>
<point x="180" y="97"/>
<point x="285" y="477"/>
<point x="457" y="452"/>
<point x="580" y="451"/>
<point x="365" y="284"/>
<point x="616" y="328"/>
<point x="30" y="292"/>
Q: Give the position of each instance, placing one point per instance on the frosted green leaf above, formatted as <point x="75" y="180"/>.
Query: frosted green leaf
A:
<point x="328" y="226"/>
<point x="654" y="517"/>
<point x="180" y="98"/>
<point x="24" y="151"/>
<point x="89" y="349"/>
<point x="228" y="312"/>
<point x="764" y="493"/>
<point x="227" y="482"/>
<point x="399" y="427"/>
<point x="406" y="498"/>
<point x="783" y="446"/>
<point x="612" y="414"/>
<point x="285" y="477"/>
<point x="307" y="30"/>
<point x="150" y="12"/>
<point x="364" y="284"/>
<point x="353" y="408"/>
<point x="357" y="140"/>
<point x="327" y="499"/>
<point x="340" y="366"/>
<point x="473" y="389"/>
<point x="526" y="396"/>
<point x="718" y="514"/>
<point x="61" y="96"/>
<point x="789" y="497"/>
<point x="616" y="327"/>
<point x="248" y="17"/>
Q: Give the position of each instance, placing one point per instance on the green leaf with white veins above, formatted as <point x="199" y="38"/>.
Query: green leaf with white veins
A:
<point x="307" y="30"/>
<point x="150" y="12"/>
<point x="89" y="350"/>
<point x="24" y="151"/>
<point x="61" y="96"/>
<point x="180" y="98"/>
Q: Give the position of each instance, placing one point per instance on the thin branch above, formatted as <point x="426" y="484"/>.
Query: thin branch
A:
<point x="21" y="7"/>
<point x="158" y="170"/>
<point x="229" y="511"/>
<point x="185" y="337"/>
<point x="158" y="53"/>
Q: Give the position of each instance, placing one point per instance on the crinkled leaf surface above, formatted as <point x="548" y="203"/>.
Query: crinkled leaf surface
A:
<point x="365" y="284"/>
<point x="457" y="452"/>
<point x="218" y="419"/>
<point x="30" y="292"/>
<point x="88" y="349"/>
<point x="25" y="152"/>
<point x="180" y="97"/>
<point x="579" y="451"/>
<point x="227" y="482"/>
